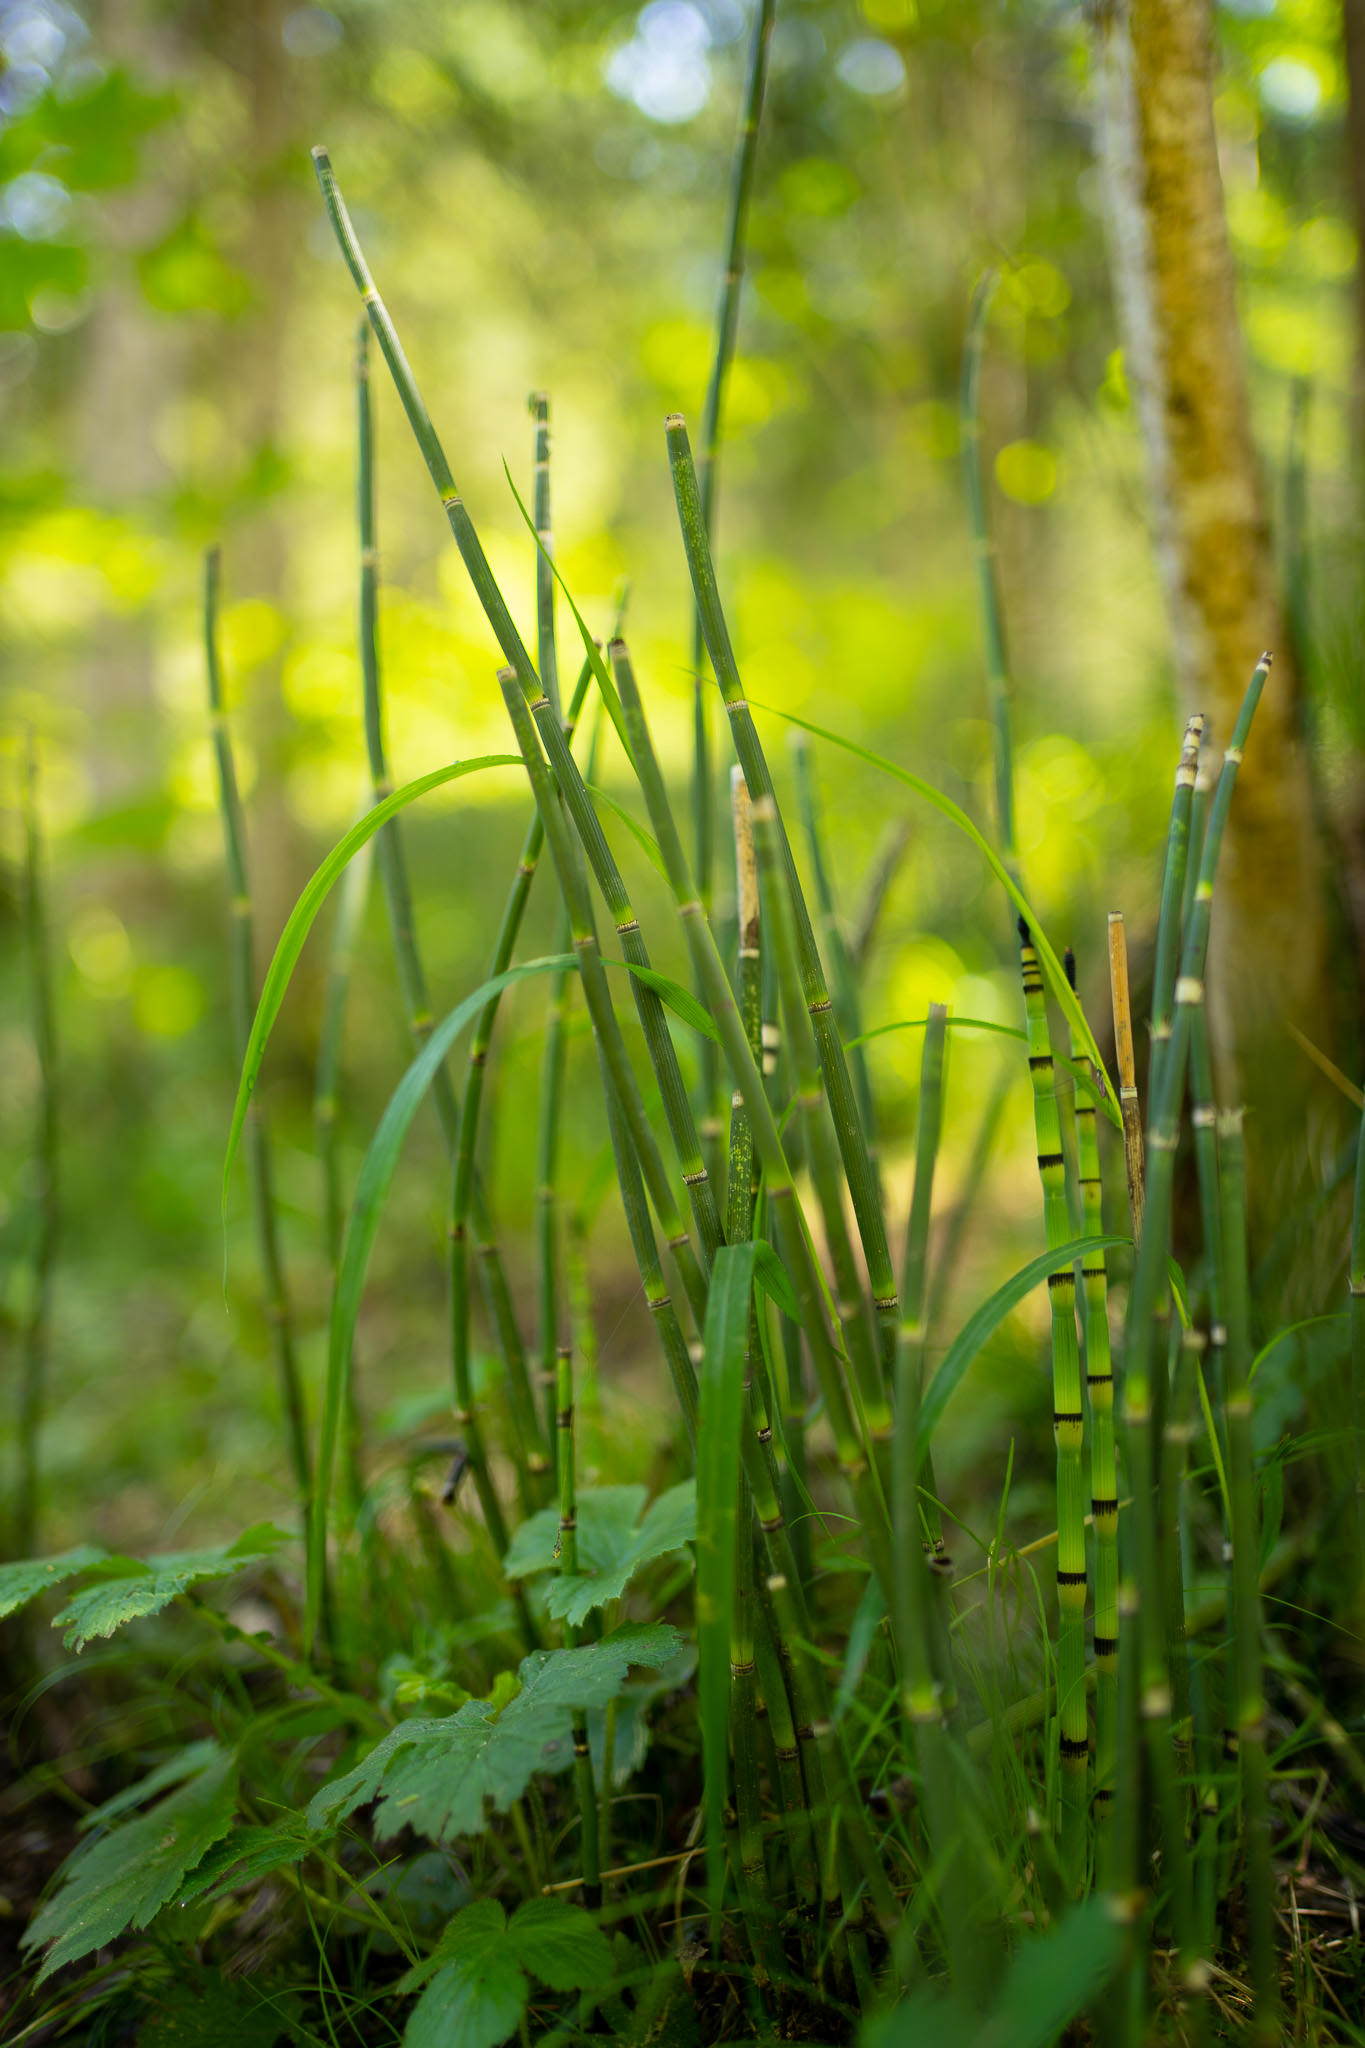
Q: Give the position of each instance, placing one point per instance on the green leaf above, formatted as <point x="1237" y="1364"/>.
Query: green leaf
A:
<point x="560" y="1944"/>
<point x="987" y="1321"/>
<point x="138" y="1590"/>
<point x="771" y="1275"/>
<point x="301" y="920"/>
<point x="610" y="1547"/>
<point x="362" y="1226"/>
<point x="725" y="1341"/>
<point x="1061" y="988"/>
<point x="20" y="1583"/>
<point x="248" y="1854"/>
<point x="439" y="1776"/>
<point x="126" y="1877"/>
<point x="680" y="1000"/>
<point x="478" y="1995"/>
<point x="646" y="841"/>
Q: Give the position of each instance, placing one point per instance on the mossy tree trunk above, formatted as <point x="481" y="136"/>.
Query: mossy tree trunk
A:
<point x="1175" y="287"/>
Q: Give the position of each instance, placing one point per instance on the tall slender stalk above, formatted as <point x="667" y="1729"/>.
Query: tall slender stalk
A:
<point x="1068" y="1421"/>
<point x="547" y="659"/>
<point x="277" y="1308"/>
<point x="1133" y="1159"/>
<point x="852" y="1140"/>
<point x="1104" y="1482"/>
<point x="841" y="966"/>
<point x="876" y="888"/>
<point x="33" y="1383"/>
<point x="1148" y="1296"/>
<point x="1246" y="1595"/>
<point x="983" y="548"/>
<point x="1172" y="901"/>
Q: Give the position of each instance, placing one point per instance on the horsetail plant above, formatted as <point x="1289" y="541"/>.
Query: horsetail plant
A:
<point x="1104" y="1486"/>
<point x="1068" y="1421"/>
<point x="1129" y="1105"/>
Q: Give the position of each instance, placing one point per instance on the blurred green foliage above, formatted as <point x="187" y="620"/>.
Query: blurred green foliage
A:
<point x="541" y="189"/>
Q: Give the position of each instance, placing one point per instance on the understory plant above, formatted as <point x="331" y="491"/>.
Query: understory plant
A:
<point x="527" y="1755"/>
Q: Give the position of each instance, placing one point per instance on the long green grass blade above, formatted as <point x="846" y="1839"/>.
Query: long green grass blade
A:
<point x="301" y="919"/>
<point x="367" y="1205"/>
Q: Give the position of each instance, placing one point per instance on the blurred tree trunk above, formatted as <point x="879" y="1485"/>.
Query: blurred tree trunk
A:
<point x="1174" y="282"/>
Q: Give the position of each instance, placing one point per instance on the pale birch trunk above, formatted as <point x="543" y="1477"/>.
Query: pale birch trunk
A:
<point x="1174" y="282"/>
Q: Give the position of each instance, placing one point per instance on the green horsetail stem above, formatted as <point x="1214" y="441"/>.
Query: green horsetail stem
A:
<point x="393" y="874"/>
<point x="983" y="549"/>
<point x="33" y="1383"/>
<point x="1172" y="901"/>
<point x="1068" y="1421"/>
<point x="727" y="329"/>
<point x="841" y="966"/>
<point x="1104" y="1479"/>
<point x="821" y="1157"/>
<point x="1148" y="1296"/>
<point x="567" y="1552"/>
<point x="852" y="1141"/>
<point x="640" y="1156"/>
<point x="1133" y="1159"/>
<point x="921" y="1692"/>
<point x="278" y="1313"/>
<point x="1356" y="1286"/>
<point x="1246" y="1600"/>
<point x="793" y="1237"/>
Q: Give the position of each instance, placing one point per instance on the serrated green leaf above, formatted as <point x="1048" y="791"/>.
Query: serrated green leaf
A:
<point x="126" y="1877"/>
<point x="143" y="1589"/>
<point x="477" y="1992"/>
<point x="630" y="1741"/>
<point x="560" y="1944"/>
<point x="20" y="1583"/>
<point x="610" y="1545"/>
<point x="440" y="1777"/>
<point x="246" y="1855"/>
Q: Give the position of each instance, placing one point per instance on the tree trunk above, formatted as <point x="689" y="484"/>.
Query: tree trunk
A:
<point x="1174" y="282"/>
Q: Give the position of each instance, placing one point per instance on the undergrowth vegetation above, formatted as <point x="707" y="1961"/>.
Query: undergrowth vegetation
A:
<point x="783" y="1742"/>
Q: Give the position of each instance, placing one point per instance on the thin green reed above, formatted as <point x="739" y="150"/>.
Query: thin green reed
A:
<point x="1068" y="1420"/>
<point x="1250" y="1716"/>
<point x="727" y="329"/>
<point x="547" y="659"/>
<point x="1148" y="1297"/>
<point x="1172" y="902"/>
<point x="1104" y="1486"/>
<point x="842" y="970"/>
<point x="37" y="1315"/>
<point x="921" y="1693"/>
<point x="983" y="549"/>
<point x="277" y="1308"/>
<point x="393" y="873"/>
<point x="852" y="1141"/>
